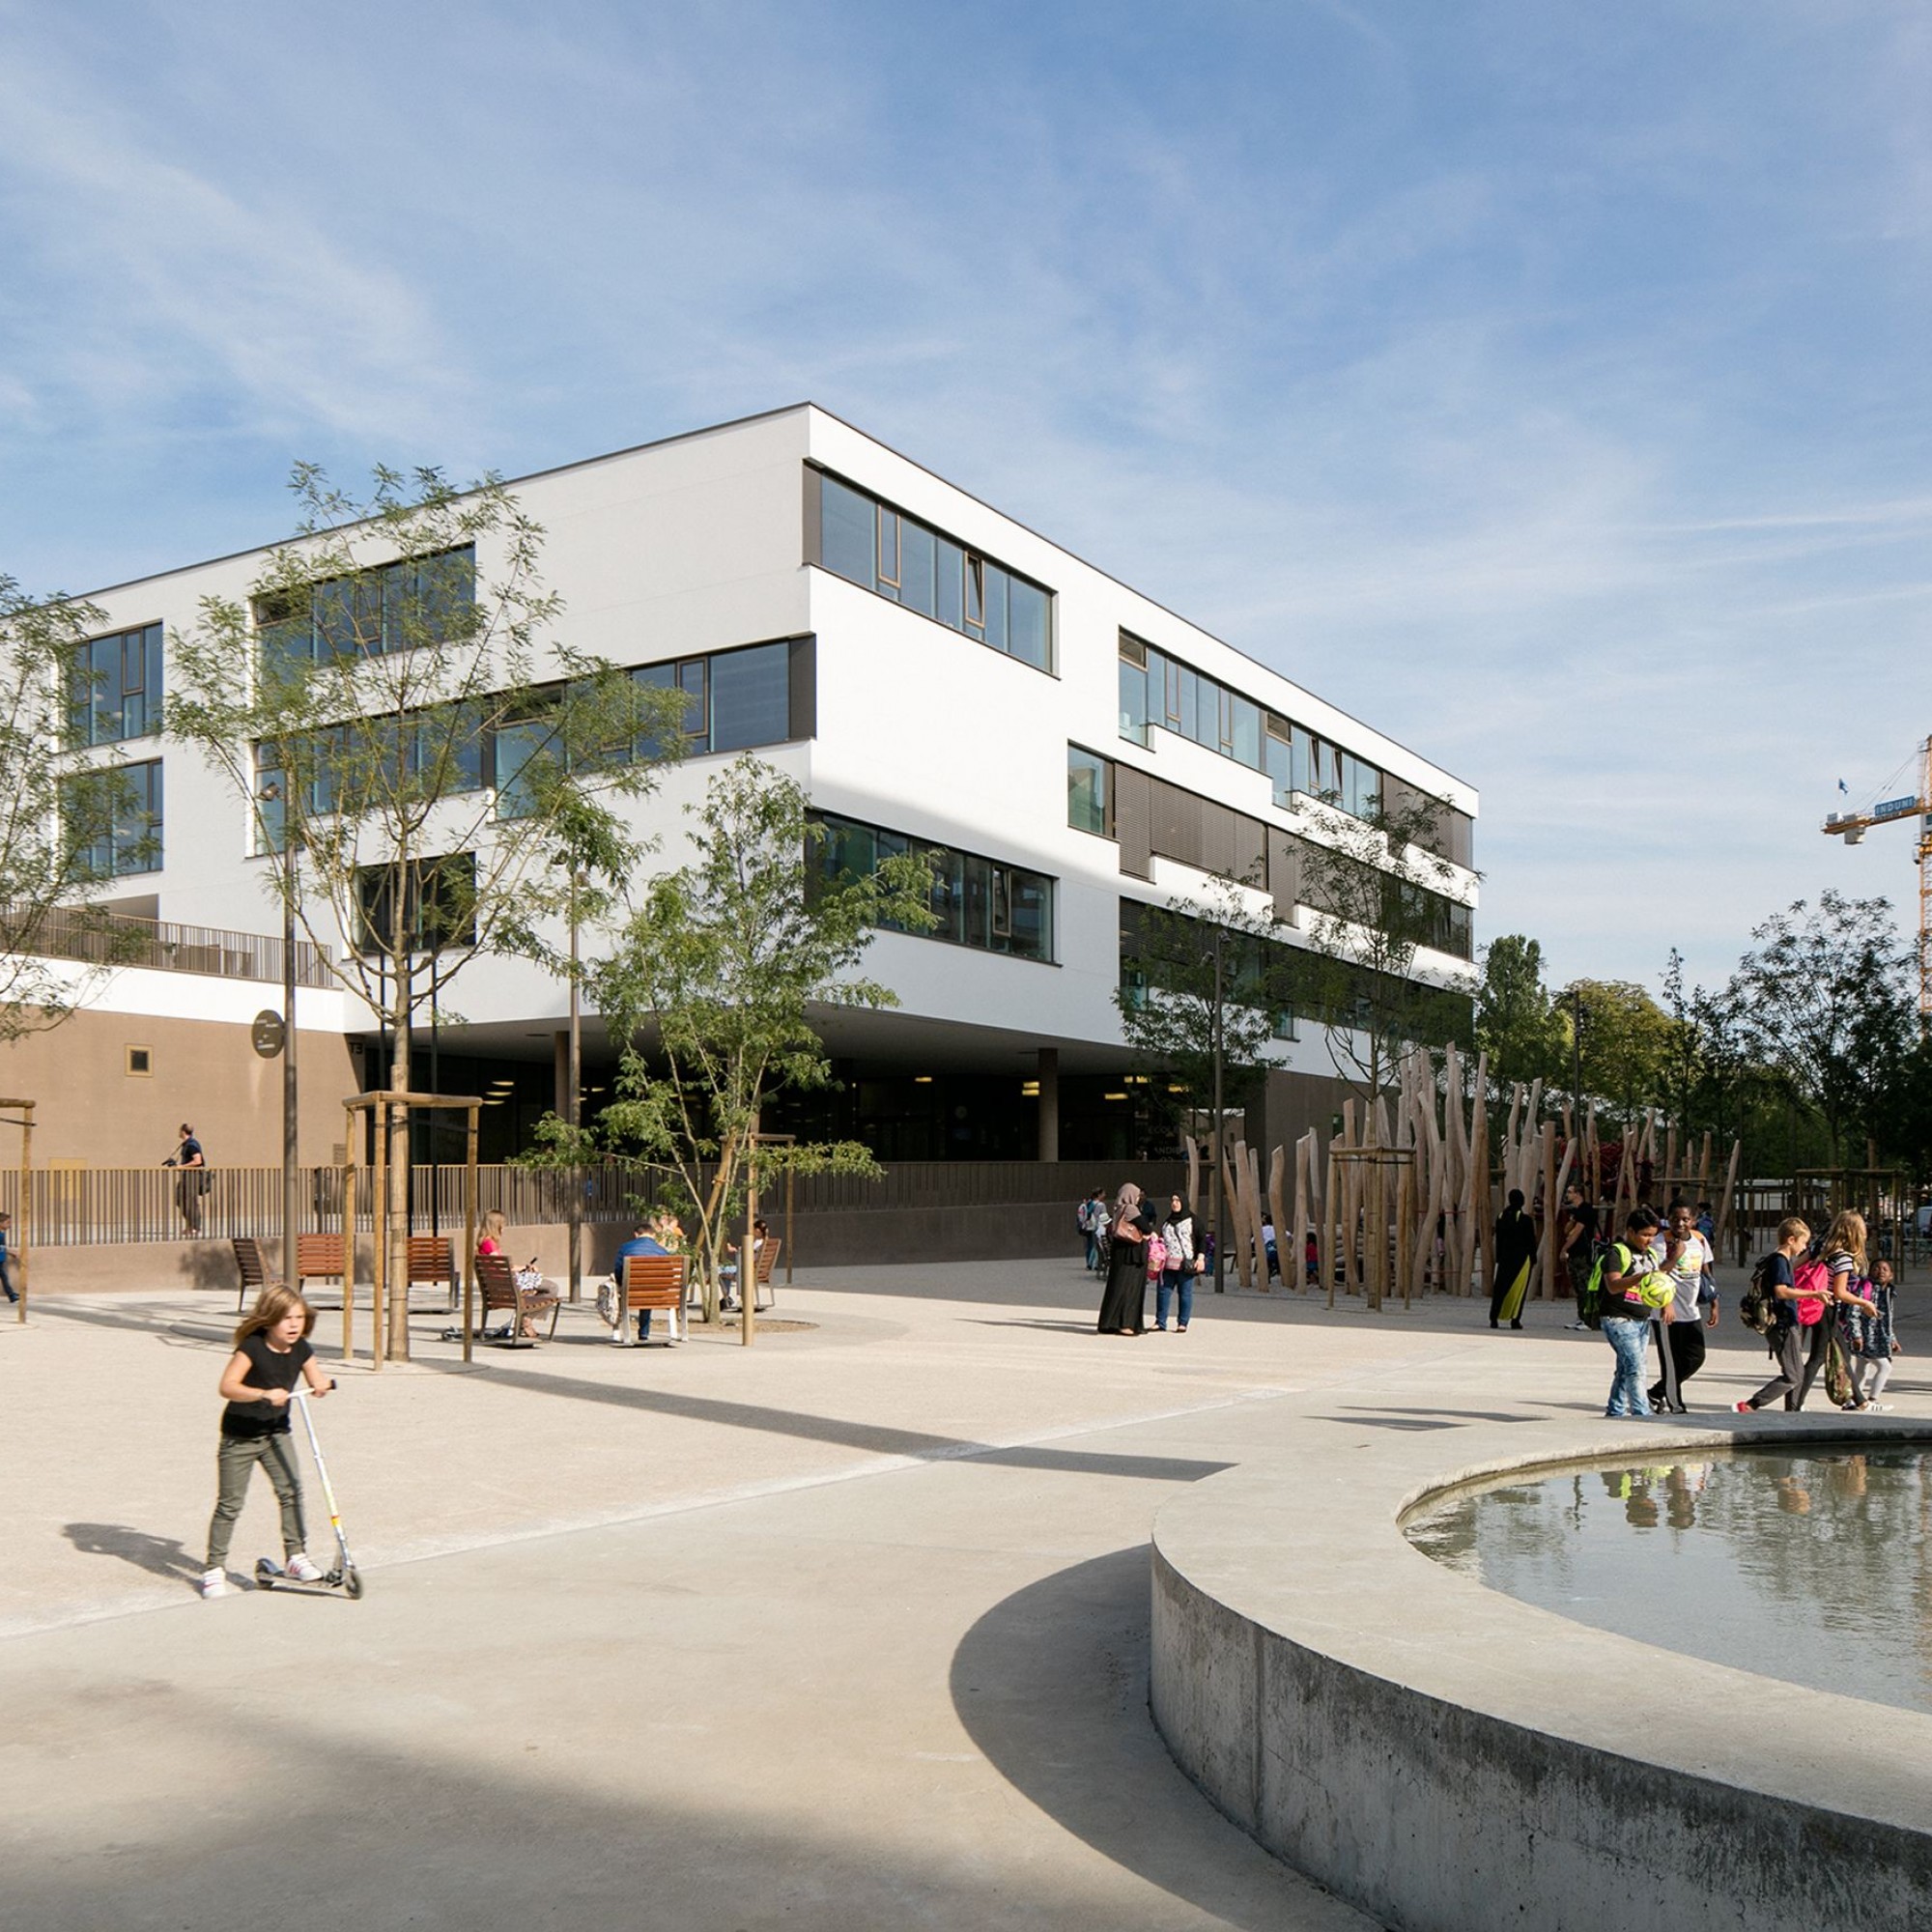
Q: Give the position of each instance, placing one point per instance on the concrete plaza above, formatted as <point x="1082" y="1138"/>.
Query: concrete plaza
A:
<point x="844" y="1630"/>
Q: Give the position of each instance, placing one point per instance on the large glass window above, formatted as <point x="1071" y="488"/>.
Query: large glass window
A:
<point x="122" y="805"/>
<point x="847" y="530"/>
<point x="114" y="687"/>
<point x="1161" y="690"/>
<point x="750" y="697"/>
<point x="733" y="700"/>
<point x="978" y="901"/>
<point x="439" y="903"/>
<point x="415" y="600"/>
<point x="896" y="556"/>
<point x="1090" y="793"/>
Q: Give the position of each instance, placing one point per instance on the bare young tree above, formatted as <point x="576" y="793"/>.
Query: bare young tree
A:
<point x="429" y="765"/>
<point x="710" y="987"/>
<point x="1381" y="893"/>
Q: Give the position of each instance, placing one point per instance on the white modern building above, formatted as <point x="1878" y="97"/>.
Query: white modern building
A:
<point x="931" y="671"/>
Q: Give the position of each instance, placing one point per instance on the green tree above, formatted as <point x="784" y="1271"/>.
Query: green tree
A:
<point x="425" y="759"/>
<point x="1624" y="1044"/>
<point x="1381" y="893"/>
<point x="1825" y="997"/>
<point x="1518" y="1023"/>
<point x="1901" y="1112"/>
<point x="67" y="823"/>
<point x="710" y="987"/>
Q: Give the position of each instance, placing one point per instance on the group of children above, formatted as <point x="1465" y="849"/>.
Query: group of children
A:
<point x="1825" y="1309"/>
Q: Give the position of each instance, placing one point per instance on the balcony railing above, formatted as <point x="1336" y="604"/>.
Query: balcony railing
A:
<point x="112" y="939"/>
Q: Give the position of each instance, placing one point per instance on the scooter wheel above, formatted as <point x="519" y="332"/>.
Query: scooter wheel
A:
<point x="352" y="1582"/>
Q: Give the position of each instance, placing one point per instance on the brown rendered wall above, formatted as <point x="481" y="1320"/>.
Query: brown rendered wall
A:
<point x="89" y="1109"/>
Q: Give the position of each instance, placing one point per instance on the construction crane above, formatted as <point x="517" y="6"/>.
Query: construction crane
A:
<point x="1852" y="827"/>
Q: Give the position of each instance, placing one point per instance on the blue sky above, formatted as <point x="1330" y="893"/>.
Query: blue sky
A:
<point x="1547" y="385"/>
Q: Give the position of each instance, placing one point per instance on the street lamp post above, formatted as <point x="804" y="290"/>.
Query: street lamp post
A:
<point x="291" y="1205"/>
<point x="1576" y="1085"/>
<point x="1214" y="1179"/>
<point x="573" y="1097"/>
<point x="283" y="791"/>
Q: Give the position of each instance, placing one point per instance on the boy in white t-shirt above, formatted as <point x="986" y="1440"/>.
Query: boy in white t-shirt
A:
<point x="1685" y="1259"/>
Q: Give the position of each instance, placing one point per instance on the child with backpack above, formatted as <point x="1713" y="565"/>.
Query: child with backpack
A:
<point x="1875" y="1343"/>
<point x="1624" y="1289"/>
<point x="1793" y="1291"/>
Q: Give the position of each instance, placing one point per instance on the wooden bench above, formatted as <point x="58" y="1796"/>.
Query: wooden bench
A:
<point x="250" y="1267"/>
<point x="318" y="1258"/>
<point x="501" y="1295"/>
<point x="655" y="1282"/>
<point x="432" y="1257"/>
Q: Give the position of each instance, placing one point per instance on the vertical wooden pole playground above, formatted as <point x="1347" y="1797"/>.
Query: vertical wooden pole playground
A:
<point x="379" y="1219"/>
<point x="20" y="1247"/>
<point x="1331" y="1223"/>
<point x="1547" y="1288"/>
<point x="349" y="1253"/>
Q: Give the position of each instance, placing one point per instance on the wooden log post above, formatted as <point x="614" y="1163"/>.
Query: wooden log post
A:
<point x="1547" y="1273"/>
<point x="1288" y="1243"/>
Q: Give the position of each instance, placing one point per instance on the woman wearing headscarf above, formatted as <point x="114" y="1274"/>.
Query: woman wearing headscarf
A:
<point x="1514" y="1250"/>
<point x="1124" y="1306"/>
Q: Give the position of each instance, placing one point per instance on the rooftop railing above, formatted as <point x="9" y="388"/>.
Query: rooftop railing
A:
<point x="113" y="939"/>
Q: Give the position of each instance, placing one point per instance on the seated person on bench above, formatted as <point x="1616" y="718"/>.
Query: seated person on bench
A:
<point x="727" y="1275"/>
<point x="639" y="1243"/>
<point x="540" y="1296"/>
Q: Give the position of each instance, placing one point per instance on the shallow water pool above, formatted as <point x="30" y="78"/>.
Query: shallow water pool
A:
<point x="1810" y="1567"/>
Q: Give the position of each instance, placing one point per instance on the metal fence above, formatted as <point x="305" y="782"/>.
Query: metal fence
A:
<point x="105" y="939"/>
<point x="96" y="1205"/>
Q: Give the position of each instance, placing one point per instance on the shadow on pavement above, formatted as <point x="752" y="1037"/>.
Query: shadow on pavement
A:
<point x="1051" y="1685"/>
<point x="159" y="1556"/>
<point x="876" y="1438"/>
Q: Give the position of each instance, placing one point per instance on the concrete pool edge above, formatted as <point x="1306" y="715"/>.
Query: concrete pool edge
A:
<point x="1446" y="1757"/>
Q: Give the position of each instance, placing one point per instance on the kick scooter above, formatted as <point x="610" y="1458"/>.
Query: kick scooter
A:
<point x="345" y="1577"/>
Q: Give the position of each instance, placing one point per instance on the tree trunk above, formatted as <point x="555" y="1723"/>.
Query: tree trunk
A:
<point x="397" y="1266"/>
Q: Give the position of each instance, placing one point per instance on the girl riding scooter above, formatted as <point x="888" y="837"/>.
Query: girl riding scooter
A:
<point x="271" y="1350"/>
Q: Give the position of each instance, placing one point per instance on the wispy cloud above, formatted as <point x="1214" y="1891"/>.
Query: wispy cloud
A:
<point x="1541" y="387"/>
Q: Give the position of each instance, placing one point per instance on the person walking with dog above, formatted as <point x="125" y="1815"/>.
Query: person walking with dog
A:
<point x="271" y="1355"/>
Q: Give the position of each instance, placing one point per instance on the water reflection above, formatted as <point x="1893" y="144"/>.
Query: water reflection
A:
<point x="1807" y="1567"/>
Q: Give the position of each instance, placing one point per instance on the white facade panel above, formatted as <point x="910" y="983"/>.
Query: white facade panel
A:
<point x="698" y="545"/>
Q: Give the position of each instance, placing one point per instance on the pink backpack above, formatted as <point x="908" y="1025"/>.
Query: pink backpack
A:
<point x="1156" y="1255"/>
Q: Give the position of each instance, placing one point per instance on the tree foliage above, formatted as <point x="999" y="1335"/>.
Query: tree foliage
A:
<point x="1379" y="894"/>
<point x="65" y="821"/>
<point x="1624" y="1046"/>
<point x="1165" y="997"/>
<point x="423" y="757"/>
<point x="1825" y="998"/>
<point x="431" y="767"/>
<point x="1518" y="1022"/>
<point x="710" y="985"/>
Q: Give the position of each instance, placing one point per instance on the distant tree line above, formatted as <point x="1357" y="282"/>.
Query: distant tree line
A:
<point x="1810" y="1049"/>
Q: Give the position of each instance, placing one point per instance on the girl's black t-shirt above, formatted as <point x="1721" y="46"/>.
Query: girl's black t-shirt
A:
<point x="267" y="1370"/>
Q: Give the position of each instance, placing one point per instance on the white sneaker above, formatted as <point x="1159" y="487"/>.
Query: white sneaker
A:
<point x="215" y="1583"/>
<point x="298" y="1569"/>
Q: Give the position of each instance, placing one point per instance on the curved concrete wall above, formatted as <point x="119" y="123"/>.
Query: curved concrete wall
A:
<point x="1448" y="1758"/>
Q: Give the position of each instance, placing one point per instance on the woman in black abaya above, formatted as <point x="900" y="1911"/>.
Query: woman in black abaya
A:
<point x="1124" y="1306"/>
<point x="1515" y="1251"/>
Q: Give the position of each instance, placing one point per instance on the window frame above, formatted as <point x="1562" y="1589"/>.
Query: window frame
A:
<point x="984" y="579"/>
